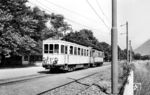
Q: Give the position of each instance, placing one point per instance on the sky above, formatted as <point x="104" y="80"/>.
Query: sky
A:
<point x="95" y="15"/>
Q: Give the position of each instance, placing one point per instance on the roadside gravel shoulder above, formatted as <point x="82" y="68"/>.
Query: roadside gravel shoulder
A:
<point x="98" y="84"/>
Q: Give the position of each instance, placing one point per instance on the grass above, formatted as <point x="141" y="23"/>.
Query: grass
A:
<point x="142" y="75"/>
<point x="124" y="70"/>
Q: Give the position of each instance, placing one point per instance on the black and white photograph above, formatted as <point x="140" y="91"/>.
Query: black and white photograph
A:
<point x="74" y="47"/>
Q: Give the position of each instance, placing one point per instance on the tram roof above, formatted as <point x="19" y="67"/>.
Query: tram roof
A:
<point x="68" y="42"/>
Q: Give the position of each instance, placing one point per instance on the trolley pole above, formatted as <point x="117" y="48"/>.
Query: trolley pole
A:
<point x="127" y="40"/>
<point x="114" y="38"/>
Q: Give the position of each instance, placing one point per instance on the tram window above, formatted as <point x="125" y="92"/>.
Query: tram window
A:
<point x="45" y="48"/>
<point x="75" y="50"/>
<point x="103" y="54"/>
<point x="62" y="48"/>
<point x="90" y="53"/>
<point x="87" y="52"/>
<point x="56" y="48"/>
<point x="51" y="50"/>
<point x="66" y="48"/>
<point x="78" y="51"/>
<point x="98" y="54"/>
<point x="82" y="52"/>
<point x="71" y="49"/>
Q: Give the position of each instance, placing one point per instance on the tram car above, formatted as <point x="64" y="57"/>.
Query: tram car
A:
<point x="60" y="54"/>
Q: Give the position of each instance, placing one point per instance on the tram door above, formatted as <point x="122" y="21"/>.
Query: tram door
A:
<point x="66" y="59"/>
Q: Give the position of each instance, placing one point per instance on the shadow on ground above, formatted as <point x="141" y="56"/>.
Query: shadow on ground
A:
<point x="52" y="72"/>
<point x="57" y="71"/>
<point x="17" y="66"/>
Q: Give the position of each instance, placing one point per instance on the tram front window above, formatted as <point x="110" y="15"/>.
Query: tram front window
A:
<point x="45" y="48"/>
<point x="51" y="48"/>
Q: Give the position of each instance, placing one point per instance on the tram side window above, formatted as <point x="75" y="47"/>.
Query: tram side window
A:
<point x="66" y="49"/>
<point x="62" y="49"/>
<point x="103" y="54"/>
<point x="51" y="49"/>
<point x="82" y="52"/>
<point x="78" y="51"/>
<point x="98" y="54"/>
<point x="75" y="50"/>
<point x="71" y="49"/>
<point x="87" y="52"/>
<point x="56" y="48"/>
<point x="45" y="48"/>
<point x="90" y="53"/>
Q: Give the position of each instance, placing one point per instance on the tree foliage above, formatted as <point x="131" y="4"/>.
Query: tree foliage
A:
<point x="86" y="37"/>
<point x="20" y="27"/>
<point x="59" y="26"/>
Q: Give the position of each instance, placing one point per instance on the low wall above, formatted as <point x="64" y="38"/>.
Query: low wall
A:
<point x="128" y="90"/>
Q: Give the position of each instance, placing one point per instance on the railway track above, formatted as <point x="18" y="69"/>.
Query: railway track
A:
<point x="74" y="81"/>
<point x="21" y="79"/>
<point x="10" y="81"/>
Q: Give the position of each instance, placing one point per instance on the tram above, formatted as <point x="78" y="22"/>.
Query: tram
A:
<point x="60" y="54"/>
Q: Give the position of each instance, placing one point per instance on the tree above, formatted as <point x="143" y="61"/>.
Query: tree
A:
<point x="20" y="27"/>
<point x="59" y="26"/>
<point x="86" y="37"/>
<point x="137" y="56"/>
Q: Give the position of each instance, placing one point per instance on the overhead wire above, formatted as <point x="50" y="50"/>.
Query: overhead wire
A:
<point x="101" y="9"/>
<point x="76" y="13"/>
<point x="71" y="12"/>
<point x="77" y="23"/>
<point x="97" y="14"/>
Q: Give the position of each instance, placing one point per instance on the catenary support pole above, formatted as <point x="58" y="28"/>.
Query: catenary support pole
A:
<point x="114" y="38"/>
<point x="127" y="40"/>
<point x="130" y="57"/>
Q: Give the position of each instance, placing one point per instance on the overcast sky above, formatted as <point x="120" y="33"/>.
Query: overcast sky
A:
<point x="80" y="15"/>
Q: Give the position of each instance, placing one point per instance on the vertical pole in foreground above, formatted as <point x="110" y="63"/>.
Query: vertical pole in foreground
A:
<point x="127" y="42"/>
<point x="114" y="64"/>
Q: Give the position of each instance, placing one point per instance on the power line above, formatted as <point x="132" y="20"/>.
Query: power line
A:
<point x="77" y="23"/>
<point x="97" y="14"/>
<point x="71" y="12"/>
<point x="87" y="18"/>
<point x="101" y="9"/>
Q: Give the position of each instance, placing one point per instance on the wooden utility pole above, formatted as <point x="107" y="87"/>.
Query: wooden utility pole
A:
<point x="114" y="38"/>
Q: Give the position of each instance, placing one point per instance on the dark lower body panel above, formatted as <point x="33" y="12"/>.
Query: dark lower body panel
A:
<point x="72" y="66"/>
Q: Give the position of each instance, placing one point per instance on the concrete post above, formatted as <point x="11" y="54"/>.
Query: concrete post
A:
<point x="114" y="38"/>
